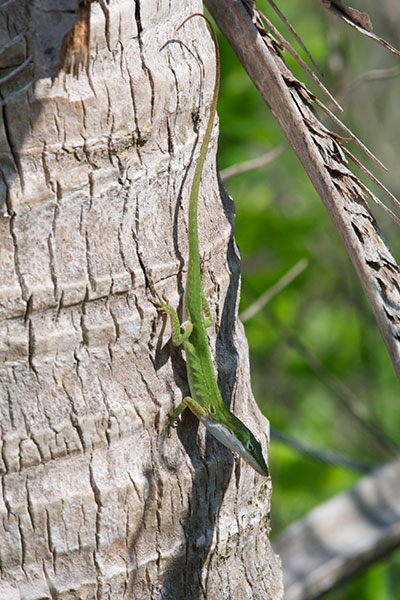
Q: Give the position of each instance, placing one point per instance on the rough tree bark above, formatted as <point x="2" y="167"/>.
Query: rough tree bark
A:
<point x="96" y="501"/>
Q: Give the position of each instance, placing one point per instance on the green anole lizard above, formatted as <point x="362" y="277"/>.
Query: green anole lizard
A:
<point x="206" y="401"/>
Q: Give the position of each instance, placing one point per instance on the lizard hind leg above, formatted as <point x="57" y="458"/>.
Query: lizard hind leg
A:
<point x="180" y="332"/>
<point x="208" y="320"/>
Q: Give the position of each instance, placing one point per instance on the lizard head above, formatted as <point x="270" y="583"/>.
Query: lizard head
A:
<point x="250" y="450"/>
<point x="238" y="438"/>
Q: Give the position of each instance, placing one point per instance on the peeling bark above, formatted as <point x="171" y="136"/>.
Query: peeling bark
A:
<point x="96" y="501"/>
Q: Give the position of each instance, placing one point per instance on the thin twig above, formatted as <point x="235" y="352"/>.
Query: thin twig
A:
<point x="296" y="36"/>
<point x="254" y="163"/>
<point x="267" y="296"/>
<point x="343" y="393"/>
<point x="379" y="202"/>
<point x="364" y="31"/>
<point x="378" y="74"/>
<point x="349" y="132"/>
<point x="300" y="61"/>
<point x="326" y="456"/>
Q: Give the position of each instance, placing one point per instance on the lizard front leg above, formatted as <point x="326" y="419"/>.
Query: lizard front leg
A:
<point x="194" y="406"/>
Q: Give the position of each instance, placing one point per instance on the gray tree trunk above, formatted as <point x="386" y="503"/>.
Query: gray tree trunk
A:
<point x="96" y="501"/>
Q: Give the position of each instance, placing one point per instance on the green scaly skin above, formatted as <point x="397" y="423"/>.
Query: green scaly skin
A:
<point x="206" y="401"/>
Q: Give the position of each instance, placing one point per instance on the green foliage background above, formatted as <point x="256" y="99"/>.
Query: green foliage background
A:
<point x="323" y="315"/>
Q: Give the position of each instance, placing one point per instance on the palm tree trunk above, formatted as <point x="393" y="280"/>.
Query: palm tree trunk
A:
<point x="96" y="501"/>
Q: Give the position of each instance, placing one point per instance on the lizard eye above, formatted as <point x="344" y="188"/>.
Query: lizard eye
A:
<point x="250" y="447"/>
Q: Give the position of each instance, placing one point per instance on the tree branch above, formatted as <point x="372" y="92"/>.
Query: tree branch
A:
<point x="321" y="154"/>
<point x="342" y="536"/>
